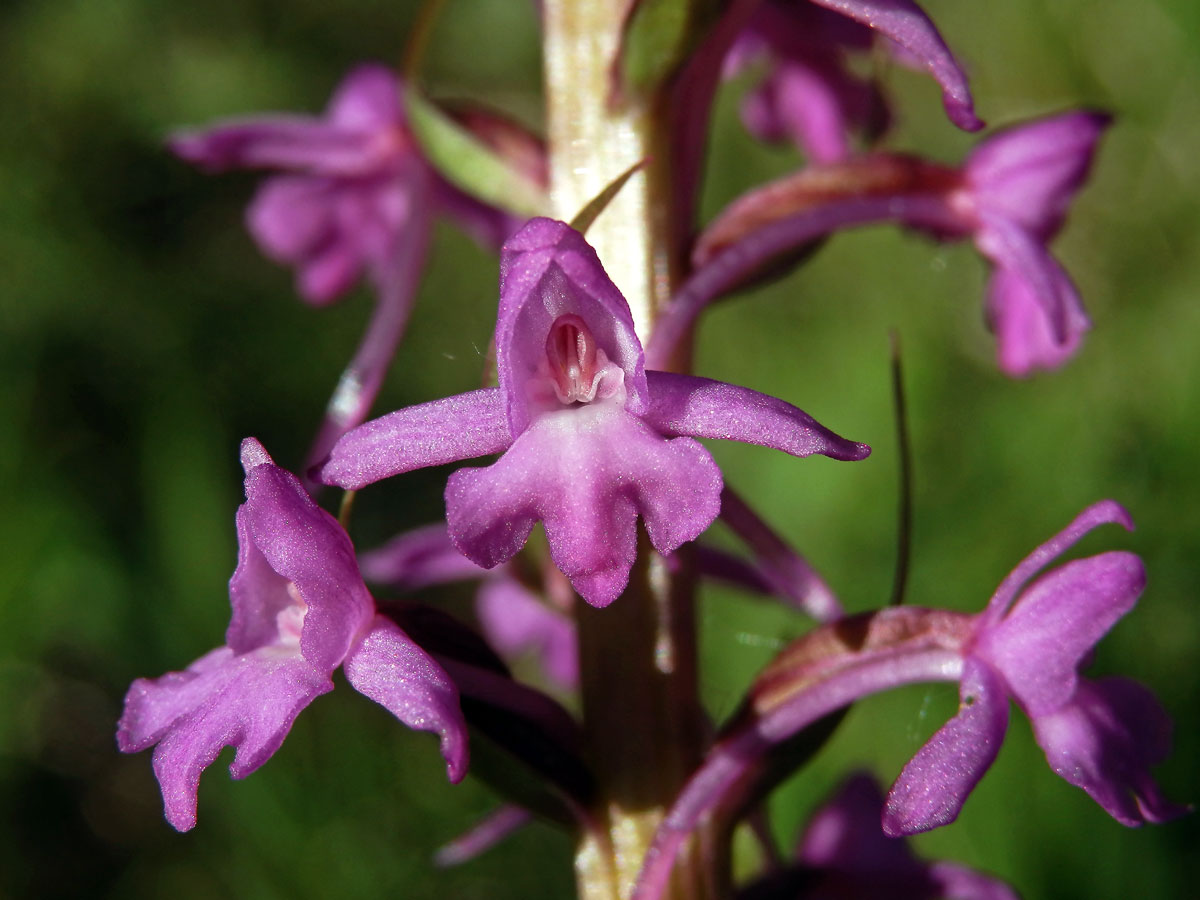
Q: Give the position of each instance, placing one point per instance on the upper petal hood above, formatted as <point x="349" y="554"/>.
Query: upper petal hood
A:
<point x="368" y="99"/>
<point x="306" y="546"/>
<point x="547" y="270"/>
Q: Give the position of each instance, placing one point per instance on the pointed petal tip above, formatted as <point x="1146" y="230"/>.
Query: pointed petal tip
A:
<point x="180" y="815"/>
<point x="963" y="116"/>
<point x="899" y="819"/>
<point x="538" y="233"/>
<point x="600" y="589"/>
<point x="457" y="755"/>
<point x="1121" y="515"/>
<point x="196" y="146"/>
<point x="896" y="823"/>
<point x="186" y="145"/>
<point x="855" y="452"/>
<point x="254" y="454"/>
<point x="1104" y="512"/>
<point x="393" y="670"/>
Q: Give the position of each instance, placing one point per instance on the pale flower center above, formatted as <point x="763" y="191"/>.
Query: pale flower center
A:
<point x="577" y="369"/>
<point x="290" y="619"/>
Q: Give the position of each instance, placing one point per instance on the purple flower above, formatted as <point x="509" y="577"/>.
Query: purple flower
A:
<point x="356" y="187"/>
<point x="1102" y="736"/>
<point x="300" y="610"/>
<point x="1010" y="198"/>
<point x="356" y="197"/>
<point x="590" y="439"/>
<point x="844" y="853"/>
<point x="810" y="96"/>
<point x="1017" y="187"/>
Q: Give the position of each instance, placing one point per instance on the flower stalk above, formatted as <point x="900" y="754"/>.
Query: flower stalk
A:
<point x="642" y="714"/>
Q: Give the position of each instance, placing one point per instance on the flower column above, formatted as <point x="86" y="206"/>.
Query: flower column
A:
<point x="642" y="714"/>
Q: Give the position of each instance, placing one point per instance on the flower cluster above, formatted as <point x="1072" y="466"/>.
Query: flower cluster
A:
<point x="590" y="430"/>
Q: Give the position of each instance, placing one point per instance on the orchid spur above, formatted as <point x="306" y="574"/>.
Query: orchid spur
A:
<point x="300" y="610"/>
<point x="590" y="438"/>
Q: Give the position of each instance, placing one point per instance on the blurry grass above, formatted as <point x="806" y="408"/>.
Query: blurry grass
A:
<point x="141" y="337"/>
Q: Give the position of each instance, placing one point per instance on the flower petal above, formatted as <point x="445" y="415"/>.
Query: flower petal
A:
<point x="391" y="669"/>
<point x="245" y="700"/>
<point x="417" y="559"/>
<point x="701" y="407"/>
<point x="1097" y="514"/>
<point x="588" y="472"/>
<point x="903" y="21"/>
<point x="1105" y="741"/>
<point x="306" y="546"/>
<point x="801" y="103"/>
<point x="289" y="216"/>
<point x="960" y="883"/>
<point x="935" y="783"/>
<point x="547" y="269"/>
<point x="1020" y="253"/>
<point x="1029" y="173"/>
<point x="1025" y="339"/>
<point x="845" y="834"/>
<point x="330" y="229"/>
<point x="257" y="593"/>
<point x="292" y="143"/>
<point x="345" y="142"/>
<point x="368" y="100"/>
<point x="429" y="434"/>
<point x="515" y="621"/>
<point x="1039" y="645"/>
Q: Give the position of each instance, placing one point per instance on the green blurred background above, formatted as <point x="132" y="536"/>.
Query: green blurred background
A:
<point x="142" y="336"/>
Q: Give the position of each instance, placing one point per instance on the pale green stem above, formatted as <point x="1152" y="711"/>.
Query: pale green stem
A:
<point x="642" y="715"/>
